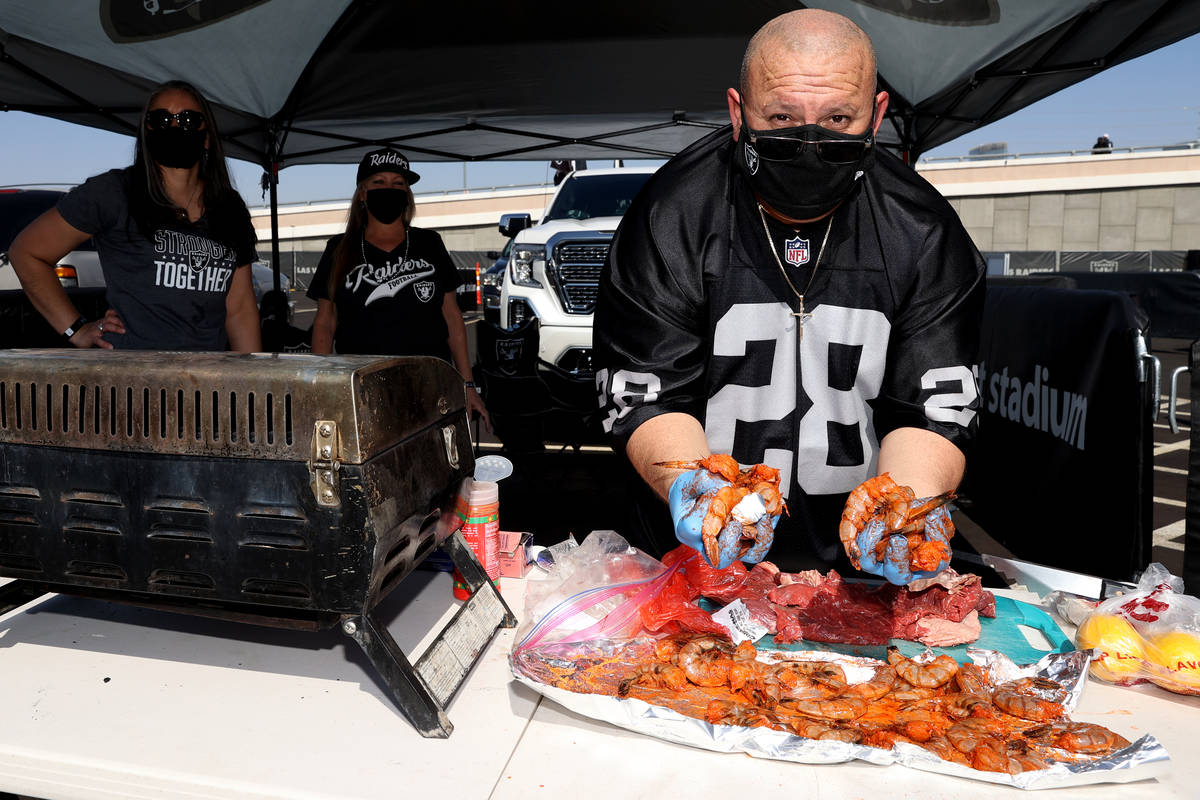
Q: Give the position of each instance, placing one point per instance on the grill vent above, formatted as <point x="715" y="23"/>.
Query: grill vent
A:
<point x="138" y="414"/>
<point x="220" y="405"/>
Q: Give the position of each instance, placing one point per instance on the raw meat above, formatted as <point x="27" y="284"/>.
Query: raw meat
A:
<point x="937" y="632"/>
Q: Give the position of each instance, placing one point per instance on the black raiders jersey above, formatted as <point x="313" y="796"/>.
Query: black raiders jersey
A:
<point x="695" y="316"/>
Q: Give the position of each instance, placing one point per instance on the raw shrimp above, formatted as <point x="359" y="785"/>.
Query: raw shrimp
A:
<point x="881" y="682"/>
<point x="838" y="708"/>
<point x="882" y="499"/>
<point x="719" y="508"/>
<point x="1079" y="737"/>
<point x="1026" y="706"/>
<point x="876" y="495"/>
<point x="970" y="679"/>
<point x="965" y="705"/>
<point x="661" y="675"/>
<point x="759" y="479"/>
<point x="921" y="725"/>
<point x="936" y="673"/>
<point x="705" y="660"/>
<point x="718" y="464"/>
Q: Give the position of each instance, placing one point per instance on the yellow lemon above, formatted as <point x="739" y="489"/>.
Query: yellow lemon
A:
<point x="1120" y="645"/>
<point x="1179" y="653"/>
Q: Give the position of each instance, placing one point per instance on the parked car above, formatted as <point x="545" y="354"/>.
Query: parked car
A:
<point x="18" y="207"/>
<point x="490" y="282"/>
<point x="554" y="267"/>
<point x="264" y="281"/>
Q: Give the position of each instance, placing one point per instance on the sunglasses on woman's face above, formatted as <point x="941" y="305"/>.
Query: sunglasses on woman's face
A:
<point x="159" y="119"/>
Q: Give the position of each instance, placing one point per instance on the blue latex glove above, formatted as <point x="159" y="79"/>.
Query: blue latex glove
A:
<point x="690" y="496"/>
<point x="895" y="564"/>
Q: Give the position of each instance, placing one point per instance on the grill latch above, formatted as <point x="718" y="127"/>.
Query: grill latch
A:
<point x="323" y="467"/>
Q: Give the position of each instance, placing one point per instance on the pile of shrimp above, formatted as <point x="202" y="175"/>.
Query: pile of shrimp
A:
<point x="760" y="479"/>
<point x="950" y="709"/>
<point x="882" y="498"/>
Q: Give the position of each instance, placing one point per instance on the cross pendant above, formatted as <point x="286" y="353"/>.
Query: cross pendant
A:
<point x="802" y="316"/>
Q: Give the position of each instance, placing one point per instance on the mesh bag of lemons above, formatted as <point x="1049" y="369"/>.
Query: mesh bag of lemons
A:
<point x="1152" y="634"/>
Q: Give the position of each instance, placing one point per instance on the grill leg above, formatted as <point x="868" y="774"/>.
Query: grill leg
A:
<point x="473" y="573"/>
<point x="423" y="691"/>
<point x="407" y="687"/>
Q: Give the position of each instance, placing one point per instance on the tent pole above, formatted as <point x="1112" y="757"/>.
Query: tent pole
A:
<point x="273" y="178"/>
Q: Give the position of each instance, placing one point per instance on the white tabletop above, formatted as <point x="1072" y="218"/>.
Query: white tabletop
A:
<point x="195" y="708"/>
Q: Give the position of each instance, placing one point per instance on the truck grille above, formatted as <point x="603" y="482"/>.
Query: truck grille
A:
<point x="576" y="274"/>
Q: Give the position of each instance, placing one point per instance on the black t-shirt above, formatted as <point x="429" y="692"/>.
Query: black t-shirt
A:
<point x="391" y="303"/>
<point x="170" y="289"/>
<point x="694" y="316"/>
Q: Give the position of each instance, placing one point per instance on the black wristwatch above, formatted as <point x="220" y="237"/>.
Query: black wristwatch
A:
<point x="469" y="384"/>
<point x="74" y="327"/>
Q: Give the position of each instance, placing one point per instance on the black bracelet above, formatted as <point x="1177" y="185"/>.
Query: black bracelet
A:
<point x="74" y="327"/>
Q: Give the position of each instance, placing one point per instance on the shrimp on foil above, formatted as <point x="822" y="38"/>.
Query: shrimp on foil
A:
<point x="881" y="498"/>
<point x="758" y="479"/>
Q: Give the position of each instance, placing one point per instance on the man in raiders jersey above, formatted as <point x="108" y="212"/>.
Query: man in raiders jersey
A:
<point x="787" y="292"/>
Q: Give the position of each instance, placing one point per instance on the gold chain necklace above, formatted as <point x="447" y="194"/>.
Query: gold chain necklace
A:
<point x="801" y="315"/>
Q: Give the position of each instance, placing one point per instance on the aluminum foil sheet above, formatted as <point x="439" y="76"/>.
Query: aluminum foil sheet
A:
<point x="1146" y="758"/>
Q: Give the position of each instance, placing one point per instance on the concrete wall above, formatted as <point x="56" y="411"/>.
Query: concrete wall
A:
<point x="1148" y="201"/>
<point x="1115" y="202"/>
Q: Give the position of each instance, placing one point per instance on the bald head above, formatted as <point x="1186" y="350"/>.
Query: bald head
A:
<point x="809" y="34"/>
<point x="808" y="67"/>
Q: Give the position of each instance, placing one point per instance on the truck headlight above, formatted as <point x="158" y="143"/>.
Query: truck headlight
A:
<point x="520" y="264"/>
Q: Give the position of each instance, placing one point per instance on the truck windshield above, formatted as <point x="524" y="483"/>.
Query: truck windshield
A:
<point x="587" y="196"/>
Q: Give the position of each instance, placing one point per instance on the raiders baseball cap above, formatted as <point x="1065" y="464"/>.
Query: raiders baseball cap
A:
<point x="385" y="160"/>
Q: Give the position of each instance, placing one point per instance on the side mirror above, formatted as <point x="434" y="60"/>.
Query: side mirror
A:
<point x="512" y="224"/>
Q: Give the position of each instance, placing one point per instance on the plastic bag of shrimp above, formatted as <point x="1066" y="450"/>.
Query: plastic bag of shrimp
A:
<point x="987" y="720"/>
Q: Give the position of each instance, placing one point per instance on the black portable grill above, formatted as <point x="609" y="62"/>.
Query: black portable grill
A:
<point x="285" y="490"/>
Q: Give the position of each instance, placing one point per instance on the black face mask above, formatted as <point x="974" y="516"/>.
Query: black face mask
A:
<point x="175" y="147"/>
<point x="806" y="185"/>
<point x="387" y="205"/>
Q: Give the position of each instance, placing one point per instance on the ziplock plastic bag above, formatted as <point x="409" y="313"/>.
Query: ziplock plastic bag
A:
<point x="1152" y="634"/>
<point x="594" y="591"/>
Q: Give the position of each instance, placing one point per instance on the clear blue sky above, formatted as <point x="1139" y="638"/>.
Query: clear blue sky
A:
<point x="1153" y="100"/>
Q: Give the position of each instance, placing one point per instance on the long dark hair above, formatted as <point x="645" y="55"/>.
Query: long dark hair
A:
<point x="149" y="205"/>
<point x="349" y="250"/>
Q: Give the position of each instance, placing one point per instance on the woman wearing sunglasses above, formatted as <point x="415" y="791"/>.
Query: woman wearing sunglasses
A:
<point x="174" y="238"/>
<point x="786" y="292"/>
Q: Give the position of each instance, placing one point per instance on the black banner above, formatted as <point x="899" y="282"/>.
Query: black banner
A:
<point x="1061" y="472"/>
<point x="1170" y="299"/>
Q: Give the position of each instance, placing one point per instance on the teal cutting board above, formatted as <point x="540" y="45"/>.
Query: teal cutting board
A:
<point x="1002" y="633"/>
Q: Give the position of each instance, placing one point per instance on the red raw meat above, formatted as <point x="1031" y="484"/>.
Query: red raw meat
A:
<point x="950" y="596"/>
<point x="760" y="581"/>
<point x="722" y="585"/>
<point x="787" y="622"/>
<point x="850" y="613"/>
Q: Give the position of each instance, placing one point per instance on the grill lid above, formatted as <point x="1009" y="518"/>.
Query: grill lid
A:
<point x="233" y="405"/>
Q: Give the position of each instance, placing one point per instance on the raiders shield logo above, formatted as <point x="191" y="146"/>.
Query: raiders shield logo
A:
<point x="795" y="251"/>
<point x="508" y="353"/>
<point x="424" y="290"/>
<point x="751" y="156"/>
<point x="146" y="20"/>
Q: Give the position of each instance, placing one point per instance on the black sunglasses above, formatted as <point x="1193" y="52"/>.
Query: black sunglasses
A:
<point x="787" y="148"/>
<point x="159" y="119"/>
